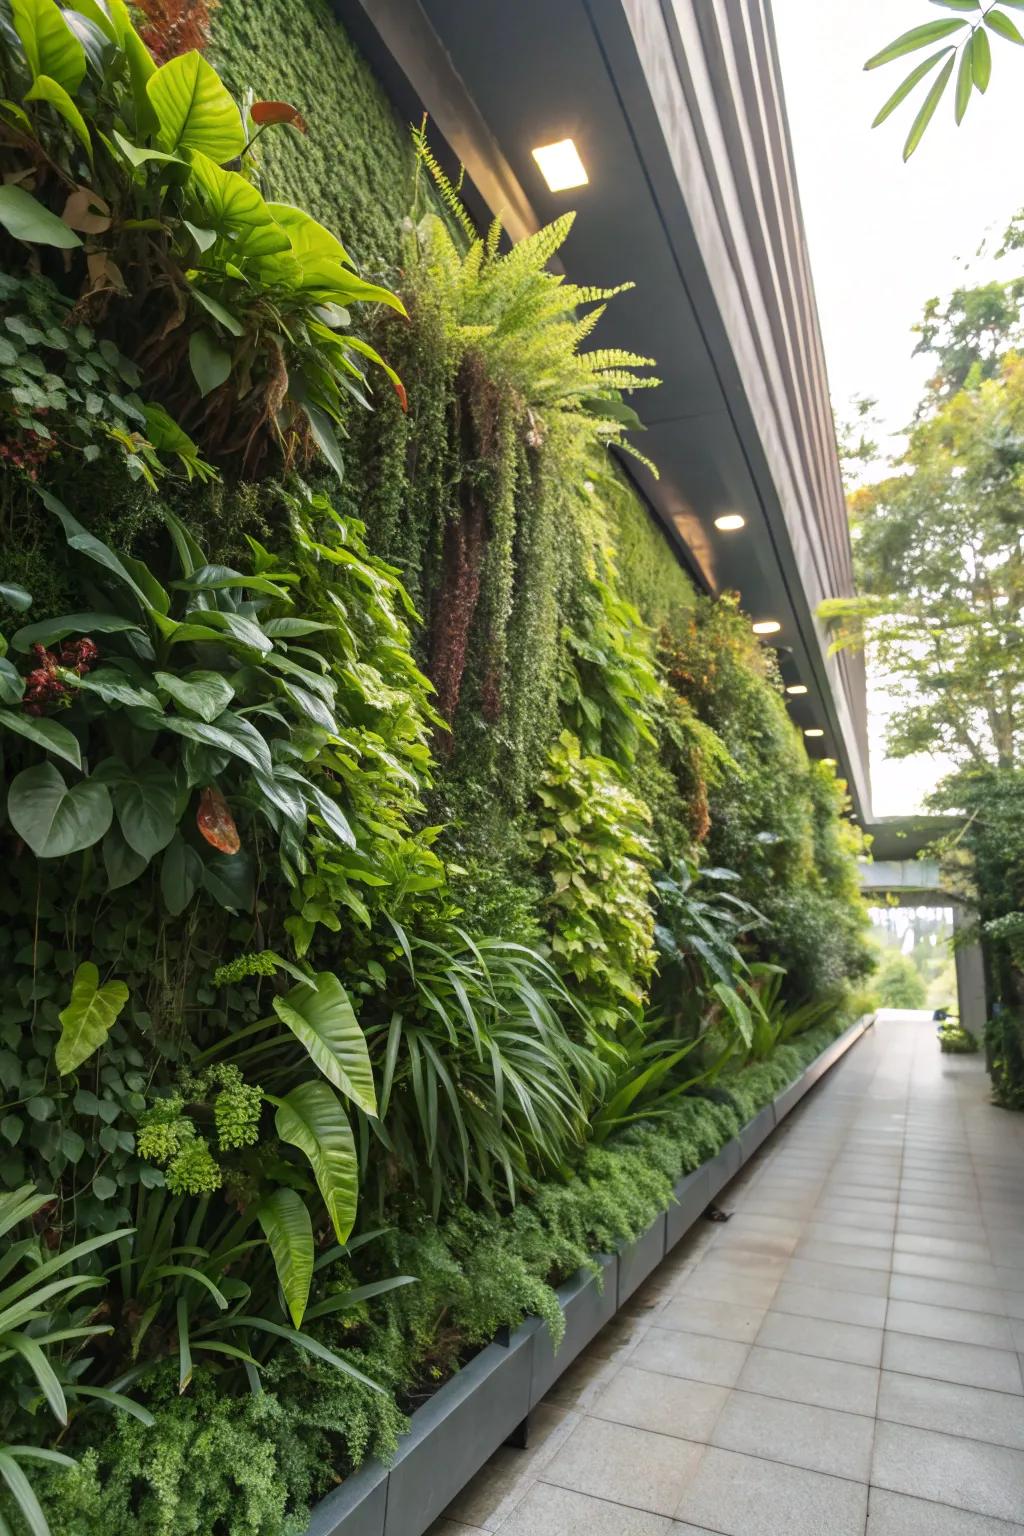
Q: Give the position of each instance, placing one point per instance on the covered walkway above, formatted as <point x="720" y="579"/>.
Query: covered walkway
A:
<point x="843" y="1356"/>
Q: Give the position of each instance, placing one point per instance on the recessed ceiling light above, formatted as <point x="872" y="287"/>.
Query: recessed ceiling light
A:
<point x="766" y="627"/>
<point x="730" y="522"/>
<point x="814" y="730"/>
<point x="795" y="688"/>
<point x="561" y="166"/>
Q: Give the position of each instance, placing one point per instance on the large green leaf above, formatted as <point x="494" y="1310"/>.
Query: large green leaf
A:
<point x="322" y="1018"/>
<point x="146" y="810"/>
<point x="195" y="109"/>
<point x="235" y="209"/>
<point x="927" y="111"/>
<point x="51" y="91"/>
<point x="53" y="819"/>
<point x="46" y="631"/>
<point x="905" y="87"/>
<point x="24" y="217"/>
<point x="79" y="538"/>
<point x="289" y="1231"/>
<point x="917" y="37"/>
<point x="88" y="1018"/>
<point x="49" y="734"/>
<point x="49" y="43"/>
<point x="181" y="875"/>
<point x="229" y="734"/>
<point x="206" y="694"/>
<point x="209" y="361"/>
<point x="311" y="1118"/>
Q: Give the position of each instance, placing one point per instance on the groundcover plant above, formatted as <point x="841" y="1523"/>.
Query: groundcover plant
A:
<point x="364" y="967"/>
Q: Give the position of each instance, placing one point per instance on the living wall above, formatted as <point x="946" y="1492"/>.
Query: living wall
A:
<point x="407" y="876"/>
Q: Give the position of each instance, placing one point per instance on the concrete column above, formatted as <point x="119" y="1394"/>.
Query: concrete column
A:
<point x="970" y="980"/>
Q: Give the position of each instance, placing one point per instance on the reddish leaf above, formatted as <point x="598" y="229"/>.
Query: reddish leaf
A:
<point x="264" y="112"/>
<point x="403" y="398"/>
<point x="216" y="822"/>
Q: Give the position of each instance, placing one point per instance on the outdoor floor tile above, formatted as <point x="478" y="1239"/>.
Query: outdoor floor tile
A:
<point x="499" y="1486"/>
<point x="966" y="1271"/>
<point x="1011" y="1279"/>
<point x="744" y="1496"/>
<point x="718" y="1361"/>
<point x="856" y="1236"/>
<point x="807" y="1379"/>
<point x="942" y="1247"/>
<point x="838" y="1277"/>
<point x="849" y="1254"/>
<point x="715" y="1283"/>
<point x="986" y="1479"/>
<point x="669" y="1405"/>
<point x="946" y="1293"/>
<point x="949" y="1323"/>
<point x="952" y="1409"/>
<point x="971" y="1364"/>
<point x="551" y="1511"/>
<point x="718" y="1319"/>
<point x="837" y="1306"/>
<point x="893" y="1514"/>
<point x="820" y="1439"/>
<point x="827" y="1339"/>
<point x="629" y="1466"/>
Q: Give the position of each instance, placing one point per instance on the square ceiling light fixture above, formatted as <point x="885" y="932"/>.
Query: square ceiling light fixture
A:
<point x="730" y="522"/>
<point x="766" y="627"/>
<point x="561" y="166"/>
<point x="797" y="688"/>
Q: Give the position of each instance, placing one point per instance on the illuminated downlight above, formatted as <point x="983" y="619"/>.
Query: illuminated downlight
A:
<point x="797" y="688"/>
<point x="766" y="627"/>
<point x="561" y="166"/>
<point x="814" y="731"/>
<point x="730" y="522"/>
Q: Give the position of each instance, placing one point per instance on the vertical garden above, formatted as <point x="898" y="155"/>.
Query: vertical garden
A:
<point x="407" y="875"/>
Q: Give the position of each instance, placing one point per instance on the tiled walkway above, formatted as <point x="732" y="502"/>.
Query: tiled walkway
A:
<point x="844" y="1356"/>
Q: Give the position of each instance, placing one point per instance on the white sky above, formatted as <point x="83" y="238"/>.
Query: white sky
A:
<point x="884" y="236"/>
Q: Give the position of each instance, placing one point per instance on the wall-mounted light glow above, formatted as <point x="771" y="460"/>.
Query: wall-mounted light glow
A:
<point x="561" y="166"/>
<point x="766" y="627"/>
<point x="814" y="730"/>
<point x="829" y="762"/>
<point x="796" y="688"/>
<point x="730" y="521"/>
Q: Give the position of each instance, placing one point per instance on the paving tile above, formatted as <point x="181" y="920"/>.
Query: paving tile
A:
<point x="966" y="1271"/>
<point x="827" y="1339"/>
<point x="949" y="1323"/>
<point x="857" y="1236"/>
<point x="985" y="1479"/>
<point x="718" y="1319"/>
<point x="946" y="1293"/>
<point x="807" y="1379"/>
<point x="744" y="1496"/>
<point x="838" y="1306"/>
<point x="551" y="1511"/>
<point x="952" y="1409"/>
<point x="971" y="1364"/>
<point x="673" y="1353"/>
<point x="452" y="1528"/>
<point x="1010" y="1279"/>
<point x="626" y="1465"/>
<point x="799" y="1434"/>
<point x="942" y="1247"/>
<point x="502" y="1482"/>
<point x="837" y="1277"/>
<point x="716" y="1283"/>
<point x="669" y="1405"/>
<point x="893" y="1514"/>
<point x="852" y="1255"/>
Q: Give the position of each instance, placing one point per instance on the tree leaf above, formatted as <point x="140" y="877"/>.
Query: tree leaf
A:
<point x="267" y="112"/>
<point x="122" y="863"/>
<point x="927" y="111"/>
<point x="51" y="47"/>
<point x="229" y="878"/>
<point x="311" y="1118"/>
<point x="903" y="90"/>
<point x="15" y="596"/>
<point x="24" y="217"/>
<point x="12" y="684"/>
<point x="210" y="362"/>
<point x="146" y="809"/>
<point x="181" y="875"/>
<point x="289" y="1231"/>
<point x="49" y="734"/>
<point x="321" y="1016"/>
<point x="981" y="57"/>
<point x="53" y="819"/>
<point x="1003" y="26"/>
<point x="964" y="80"/>
<point x="206" y="694"/>
<point x="46" y="631"/>
<point x="917" y="37"/>
<point x="88" y="1018"/>
<point x="195" y="109"/>
<point x="958" y="5"/>
<point x="218" y="310"/>
<point x="111" y="685"/>
<point x="51" y="91"/>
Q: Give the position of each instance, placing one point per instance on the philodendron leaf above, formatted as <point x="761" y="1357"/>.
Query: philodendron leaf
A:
<point x="15" y="596"/>
<point x="146" y="809"/>
<point x="51" y="91"/>
<point x="53" y="819"/>
<point x="210" y="363"/>
<point x="311" y="1118"/>
<point x="322" y="1018"/>
<point x="51" y="47"/>
<point x="49" y="734"/>
<point x="289" y="1231"/>
<point x="25" y="217"/>
<point x="88" y="1018"/>
<point x="195" y="109"/>
<point x="206" y="694"/>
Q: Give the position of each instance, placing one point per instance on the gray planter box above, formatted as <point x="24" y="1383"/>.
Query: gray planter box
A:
<point x="356" y="1508"/>
<point x="588" y="1301"/>
<point x="757" y="1131"/>
<point x="454" y="1433"/>
<point x="790" y="1097"/>
<point x="691" y="1199"/>
<point x="723" y="1167"/>
<point x="638" y="1258"/>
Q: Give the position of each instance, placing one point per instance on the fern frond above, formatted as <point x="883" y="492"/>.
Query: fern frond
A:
<point x="448" y="193"/>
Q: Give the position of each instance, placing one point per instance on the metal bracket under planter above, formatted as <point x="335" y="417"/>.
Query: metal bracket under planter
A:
<point x="588" y="1301"/>
<point x="753" y="1134"/>
<point x="455" y="1432"/>
<point x="725" y="1165"/>
<point x="638" y="1258"/>
<point x="691" y="1199"/>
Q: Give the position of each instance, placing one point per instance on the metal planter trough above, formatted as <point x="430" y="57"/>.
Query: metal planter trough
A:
<point x="638" y="1258"/>
<point x="588" y="1301"/>
<point x="725" y="1165"/>
<point x="758" y="1130"/>
<point x="691" y="1199"/>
